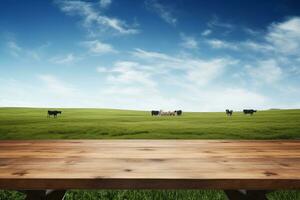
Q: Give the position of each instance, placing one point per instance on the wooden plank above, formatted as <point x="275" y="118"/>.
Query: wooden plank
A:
<point x="150" y="164"/>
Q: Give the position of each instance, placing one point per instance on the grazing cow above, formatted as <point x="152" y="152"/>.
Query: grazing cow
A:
<point x="168" y="113"/>
<point x="249" y="111"/>
<point x="155" y="112"/>
<point x="229" y="112"/>
<point x="178" y="112"/>
<point x="163" y="113"/>
<point x="172" y="113"/>
<point x="54" y="113"/>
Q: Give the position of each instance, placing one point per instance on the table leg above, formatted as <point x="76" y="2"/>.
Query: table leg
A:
<point x="246" y="194"/>
<point x="45" y="194"/>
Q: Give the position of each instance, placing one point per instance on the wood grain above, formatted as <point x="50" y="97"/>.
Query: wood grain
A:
<point x="149" y="164"/>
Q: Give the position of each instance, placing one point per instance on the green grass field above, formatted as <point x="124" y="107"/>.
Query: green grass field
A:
<point x="29" y="123"/>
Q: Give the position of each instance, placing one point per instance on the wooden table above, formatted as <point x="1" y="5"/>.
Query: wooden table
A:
<point x="243" y="169"/>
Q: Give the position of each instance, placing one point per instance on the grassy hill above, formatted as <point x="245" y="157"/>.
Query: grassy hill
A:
<point x="32" y="123"/>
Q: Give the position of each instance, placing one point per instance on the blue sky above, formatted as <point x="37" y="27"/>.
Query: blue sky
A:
<point x="150" y="54"/>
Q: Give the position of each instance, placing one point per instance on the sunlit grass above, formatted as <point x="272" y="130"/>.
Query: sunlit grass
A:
<point x="108" y="124"/>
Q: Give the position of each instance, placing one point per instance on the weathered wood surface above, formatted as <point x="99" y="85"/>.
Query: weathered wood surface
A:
<point x="155" y="164"/>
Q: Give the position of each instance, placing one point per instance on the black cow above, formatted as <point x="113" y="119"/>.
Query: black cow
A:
<point x="229" y="112"/>
<point x="249" y="111"/>
<point x="154" y="112"/>
<point x="54" y="113"/>
<point x="178" y="112"/>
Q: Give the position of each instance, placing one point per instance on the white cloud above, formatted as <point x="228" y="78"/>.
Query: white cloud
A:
<point x="266" y="71"/>
<point x="188" y="42"/>
<point x="105" y="3"/>
<point x="67" y="59"/>
<point x="131" y="85"/>
<point x="150" y="55"/>
<point x="195" y="70"/>
<point x="164" y="12"/>
<point x="93" y="18"/>
<point x="252" y="31"/>
<point x="221" y="44"/>
<point x="285" y="36"/>
<point x="206" y="32"/>
<point x="203" y="72"/>
<point x="56" y="86"/>
<point x="98" y="48"/>
<point x="261" y="47"/>
<point x="281" y="38"/>
<point x="279" y="46"/>
<point x="137" y="84"/>
<point x="128" y="72"/>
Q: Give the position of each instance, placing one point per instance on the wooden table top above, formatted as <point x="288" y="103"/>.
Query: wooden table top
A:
<point x="149" y="164"/>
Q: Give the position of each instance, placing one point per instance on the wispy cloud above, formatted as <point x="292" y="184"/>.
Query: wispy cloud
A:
<point x="206" y="32"/>
<point x="203" y="72"/>
<point x="251" y="31"/>
<point x="188" y="42"/>
<point x="164" y="12"/>
<point x="256" y="46"/>
<point x="266" y="71"/>
<point x="151" y="55"/>
<point x="216" y="22"/>
<point x="93" y="18"/>
<point x="244" y="46"/>
<point x="128" y="81"/>
<point x="105" y="3"/>
<point x="285" y="36"/>
<point x="128" y="72"/>
<point x="21" y="52"/>
<point x="281" y="38"/>
<point x="67" y="59"/>
<point x="96" y="47"/>
<point x="194" y="70"/>
<point x="271" y="56"/>
<point x="221" y="44"/>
